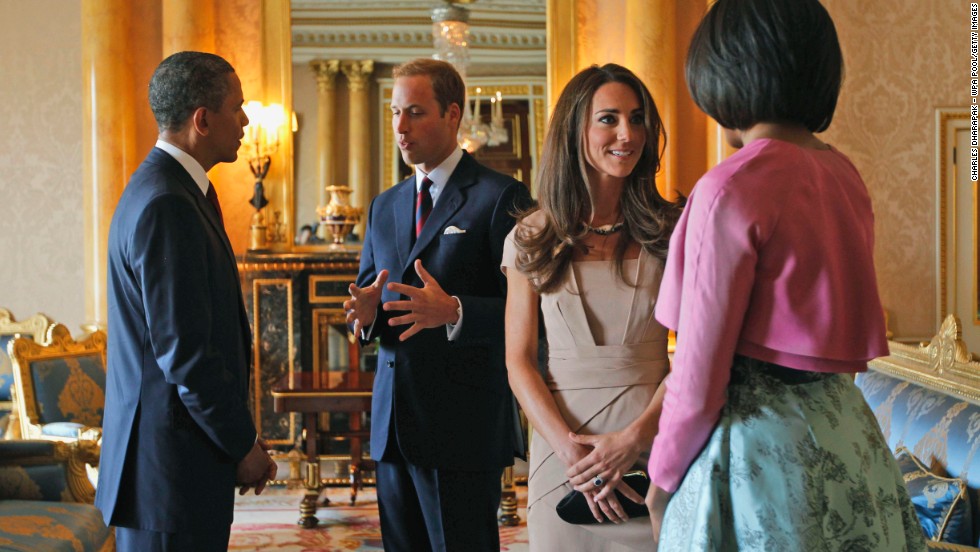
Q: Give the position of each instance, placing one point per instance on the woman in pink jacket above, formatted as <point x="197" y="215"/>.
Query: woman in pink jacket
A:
<point x="765" y="443"/>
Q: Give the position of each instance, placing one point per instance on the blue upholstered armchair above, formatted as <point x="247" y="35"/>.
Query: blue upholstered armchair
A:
<point x="45" y="498"/>
<point x="36" y="328"/>
<point x="60" y="387"/>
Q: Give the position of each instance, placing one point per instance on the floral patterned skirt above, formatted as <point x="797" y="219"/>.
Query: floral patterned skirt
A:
<point x="797" y="462"/>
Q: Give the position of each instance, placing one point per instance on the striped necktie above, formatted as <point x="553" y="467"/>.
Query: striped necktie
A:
<point x="423" y="206"/>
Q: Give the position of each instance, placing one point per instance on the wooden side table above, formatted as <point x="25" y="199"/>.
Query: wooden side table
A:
<point x="311" y="394"/>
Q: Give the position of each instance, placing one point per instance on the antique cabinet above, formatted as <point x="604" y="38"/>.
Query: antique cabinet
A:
<point x="295" y="306"/>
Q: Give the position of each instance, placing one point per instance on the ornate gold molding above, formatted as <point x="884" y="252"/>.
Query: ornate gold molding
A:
<point x="943" y="364"/>
<point x="286" y="266"/>
<point x="946" y="117"/>
<point x="36" y="326"/>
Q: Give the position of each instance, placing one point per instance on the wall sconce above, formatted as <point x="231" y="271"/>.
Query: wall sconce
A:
<point x="261" y="141"/>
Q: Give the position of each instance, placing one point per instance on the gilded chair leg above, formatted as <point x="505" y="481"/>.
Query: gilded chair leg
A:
<point x="508" y="499"/>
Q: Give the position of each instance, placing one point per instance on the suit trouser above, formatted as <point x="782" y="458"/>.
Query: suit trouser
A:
<point x="214" y="539"/>
<point x="436" y="509"/>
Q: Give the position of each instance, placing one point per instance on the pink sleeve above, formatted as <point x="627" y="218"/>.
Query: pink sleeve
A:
<point x="714" y="281"/>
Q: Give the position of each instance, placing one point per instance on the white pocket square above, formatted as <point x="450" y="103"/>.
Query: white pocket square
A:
<point x="453" y="230"/>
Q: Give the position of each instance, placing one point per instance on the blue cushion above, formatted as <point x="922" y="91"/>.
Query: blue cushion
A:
<point x="6" y="369"/>
<point x="70" y="389"/>
<point x="51" y="526"/>
<point x="941" y="503"/>
<point x="62" y="429"/>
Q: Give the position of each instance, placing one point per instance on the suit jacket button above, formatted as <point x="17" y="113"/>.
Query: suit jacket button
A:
<point x="390" y="363"/>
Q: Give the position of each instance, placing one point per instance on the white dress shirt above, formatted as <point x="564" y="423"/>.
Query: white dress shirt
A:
<point x="190" y="165"/>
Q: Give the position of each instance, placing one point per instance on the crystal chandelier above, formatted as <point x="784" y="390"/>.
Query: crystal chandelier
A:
<point x="451" y="39"/>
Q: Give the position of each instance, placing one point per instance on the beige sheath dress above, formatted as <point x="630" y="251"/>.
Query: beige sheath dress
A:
<point x="607" y="355"/>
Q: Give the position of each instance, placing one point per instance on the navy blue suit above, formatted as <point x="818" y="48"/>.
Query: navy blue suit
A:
<point x="176" y="416"/>
<point x="445" y="405"/>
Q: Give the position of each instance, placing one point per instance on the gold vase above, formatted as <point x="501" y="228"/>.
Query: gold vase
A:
<point x="339" y="216"/>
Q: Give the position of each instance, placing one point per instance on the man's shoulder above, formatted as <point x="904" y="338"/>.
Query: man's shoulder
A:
<point x="491" y="179"/>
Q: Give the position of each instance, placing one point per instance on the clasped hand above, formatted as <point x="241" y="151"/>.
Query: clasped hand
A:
<point x="256" y="469"/>
<point x="607" y="456"/>
<point x="426" y="307"/>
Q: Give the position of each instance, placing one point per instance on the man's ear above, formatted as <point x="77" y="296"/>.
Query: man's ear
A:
<point x="455" y="113"/>
<point x="199" y="121"/>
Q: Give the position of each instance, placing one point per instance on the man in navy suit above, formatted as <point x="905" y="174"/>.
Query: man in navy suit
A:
<point x="442" y="412"/>
<point x="178" y="435"/>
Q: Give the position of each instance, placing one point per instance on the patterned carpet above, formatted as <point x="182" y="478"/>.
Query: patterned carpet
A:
<point x="268" y="522"/>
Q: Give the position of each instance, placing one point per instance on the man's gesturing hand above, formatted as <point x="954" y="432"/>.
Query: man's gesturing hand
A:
<point x="362" y="306"/>
<point x="428" y="306"/>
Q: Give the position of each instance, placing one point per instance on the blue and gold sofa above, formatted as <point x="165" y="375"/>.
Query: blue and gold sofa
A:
<point x="927" y="402"/>
<point x="46" y="499"/>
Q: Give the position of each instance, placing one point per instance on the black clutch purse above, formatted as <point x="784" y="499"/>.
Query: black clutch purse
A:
<point x="573" y="508"/>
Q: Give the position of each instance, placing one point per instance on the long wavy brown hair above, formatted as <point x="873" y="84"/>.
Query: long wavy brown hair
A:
<point x="564" y="194"/>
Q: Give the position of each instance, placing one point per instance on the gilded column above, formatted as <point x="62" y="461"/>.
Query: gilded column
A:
<point x="359" y="162"/>
<point x="560" y="44"/>
<point x="188" y="25"/>
<point x="325" y="72"/>
<point x="651" y="53"/>
<point x="108" y="142"/>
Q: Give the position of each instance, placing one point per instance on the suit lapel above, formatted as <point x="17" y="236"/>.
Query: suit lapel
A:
<point x="451" y="198"/>
<point x="404" y="217"/>
<point x="202" y="202"/>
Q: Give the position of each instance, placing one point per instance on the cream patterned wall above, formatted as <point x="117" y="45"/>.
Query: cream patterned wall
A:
<point x="904" y="59"/>
<point x="41" y="257"/>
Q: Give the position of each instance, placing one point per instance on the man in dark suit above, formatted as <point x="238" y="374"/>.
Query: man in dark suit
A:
<point x="442" y="416"/>
<point x="178" y="435"/>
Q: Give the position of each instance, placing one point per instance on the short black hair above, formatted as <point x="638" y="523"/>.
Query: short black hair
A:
<point x="184" y="82"/>
<point x="776" y="61"/>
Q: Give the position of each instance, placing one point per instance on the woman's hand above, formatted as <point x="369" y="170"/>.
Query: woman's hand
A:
<point x="610" y="457"/>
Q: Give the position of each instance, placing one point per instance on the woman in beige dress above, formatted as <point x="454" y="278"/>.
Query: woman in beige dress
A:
<point x="591" y="255"/>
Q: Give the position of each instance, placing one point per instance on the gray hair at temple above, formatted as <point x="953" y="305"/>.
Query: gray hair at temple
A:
<point x="184" y="82"/>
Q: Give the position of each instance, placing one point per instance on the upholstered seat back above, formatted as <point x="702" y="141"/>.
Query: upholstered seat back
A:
<point x="941" y="430"/>
<point x="70" y="389"/>
<point x="60" y="386"/>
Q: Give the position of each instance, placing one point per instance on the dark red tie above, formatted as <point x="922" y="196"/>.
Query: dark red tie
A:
<point x="213" y="198"/>
<point x="423" y="205"/>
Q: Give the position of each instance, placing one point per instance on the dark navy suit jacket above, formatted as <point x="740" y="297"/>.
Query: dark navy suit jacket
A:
<point x="176" y="417"/>
<point x="452" y="404"/>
